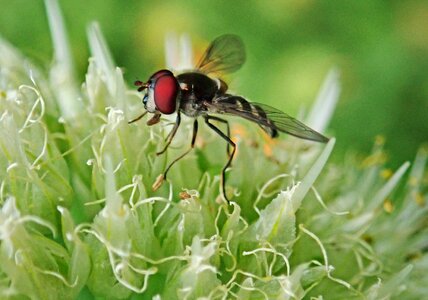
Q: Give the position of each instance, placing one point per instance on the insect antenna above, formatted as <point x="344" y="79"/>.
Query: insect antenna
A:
<point x="142" y="85"/>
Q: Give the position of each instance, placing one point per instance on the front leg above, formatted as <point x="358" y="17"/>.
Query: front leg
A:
<point x="137" y="118"/>
<point x="162" y="177"/>
<point x="171" y="134"/>
<point x="192" y="145"/>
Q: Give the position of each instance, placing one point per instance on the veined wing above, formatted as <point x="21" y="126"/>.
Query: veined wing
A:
<point x="270" y="119"/>
<point x="226" y="54"/>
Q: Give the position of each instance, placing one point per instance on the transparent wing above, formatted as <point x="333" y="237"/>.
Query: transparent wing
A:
<point x="226" y="54"/>
<point x="269" y="118"/>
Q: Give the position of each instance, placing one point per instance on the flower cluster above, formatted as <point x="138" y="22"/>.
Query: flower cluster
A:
<point x="78" y="216"/>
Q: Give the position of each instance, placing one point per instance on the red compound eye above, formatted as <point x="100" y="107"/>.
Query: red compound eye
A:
<point x="165" y="92"/>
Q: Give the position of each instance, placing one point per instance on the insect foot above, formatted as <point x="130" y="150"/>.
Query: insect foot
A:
<point x="158" y="183"/>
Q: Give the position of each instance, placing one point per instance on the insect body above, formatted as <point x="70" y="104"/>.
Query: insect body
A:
<point x="200" y="94"/>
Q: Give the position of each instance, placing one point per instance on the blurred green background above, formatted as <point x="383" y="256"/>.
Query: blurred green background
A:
<point x="380" y="47"/>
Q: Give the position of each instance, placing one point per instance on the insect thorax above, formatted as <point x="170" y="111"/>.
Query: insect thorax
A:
<point x="195" y="89"/>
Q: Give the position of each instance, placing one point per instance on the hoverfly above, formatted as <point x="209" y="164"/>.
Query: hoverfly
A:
<point x="199" y="93"/>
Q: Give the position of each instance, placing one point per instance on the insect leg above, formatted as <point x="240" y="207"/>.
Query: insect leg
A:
<point x="138" y="118"/>
<point x="228" y="129"/>
<point x="171" y="134"/>
<point x="192" y="145"/>
<point x="223" y="171"/>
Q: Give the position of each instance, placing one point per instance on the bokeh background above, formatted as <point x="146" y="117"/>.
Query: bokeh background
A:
<point x="380" y="47"/>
